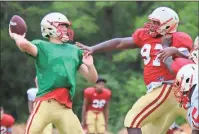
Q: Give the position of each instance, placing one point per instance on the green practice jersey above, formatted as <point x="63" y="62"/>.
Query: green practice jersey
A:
<point x="56" y="66"/>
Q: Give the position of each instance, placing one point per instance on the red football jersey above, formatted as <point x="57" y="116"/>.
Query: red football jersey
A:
<point x="97" y="101"/>
<point x="154" y="69"/>
<point x="178" y="63"/>
<point x="6" y="123"/>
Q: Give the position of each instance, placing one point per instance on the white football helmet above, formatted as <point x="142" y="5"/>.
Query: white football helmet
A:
<point x="186" y="78"/>
<point x="50" y="23"/>
<point x="167" y="18"/>
<point x="196" y="42"/>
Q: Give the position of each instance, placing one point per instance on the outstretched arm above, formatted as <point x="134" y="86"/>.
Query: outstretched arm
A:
<point x="113" y="44"/>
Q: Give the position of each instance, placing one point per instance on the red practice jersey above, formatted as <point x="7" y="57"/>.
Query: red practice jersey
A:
<point x="97" y="101"/>
<point x="7" y="121"/>
<point x="154" y="69"/>
<point x="180" y="62"/>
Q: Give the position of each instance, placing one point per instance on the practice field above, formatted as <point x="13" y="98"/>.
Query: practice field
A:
<point x="19" y="129"/>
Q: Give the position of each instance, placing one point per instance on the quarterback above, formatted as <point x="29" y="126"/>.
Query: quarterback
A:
<point x="153" y="107"/>
<point x="96" y="108"/>
<point x="57" y="62"/>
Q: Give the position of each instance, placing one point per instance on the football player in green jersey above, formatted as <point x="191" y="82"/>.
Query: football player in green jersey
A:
<point x="57" y="62"/>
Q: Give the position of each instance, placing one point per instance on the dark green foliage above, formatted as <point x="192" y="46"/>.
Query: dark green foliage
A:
<point x="93" y="22"/>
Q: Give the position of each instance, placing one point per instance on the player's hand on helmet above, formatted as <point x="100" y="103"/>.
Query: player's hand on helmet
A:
<point x="86" y="49"/>
<point x="16" y="36"/>
<point x="87" y="59"/>
<point x="166" y="52"/>
<point x="166" y="40"/>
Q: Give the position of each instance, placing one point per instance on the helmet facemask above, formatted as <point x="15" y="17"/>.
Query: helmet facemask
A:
<point x="63" y="32"/>
<point x="182" y="90"/>
<point x="151" y="27"/>
<point x="167" y="22"/>
<point x="56" y="25"/>
<point x="186" y="80"/>
<point x="159" y="29"/>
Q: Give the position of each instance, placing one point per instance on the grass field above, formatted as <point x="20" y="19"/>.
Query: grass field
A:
<point x="19" y="129"/>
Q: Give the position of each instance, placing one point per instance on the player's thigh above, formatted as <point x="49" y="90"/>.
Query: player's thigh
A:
<point x="148" y="128"/>
<point x="149" y="107"/>
<point x="100" y="123"/>
<point x="48" y="129"/>
<point x="91" y="118"/>
<point x="161" y="124"/>
<point x="65" y="120"/>
<point x="69" y="123"/>
<point x="38" y="119"/>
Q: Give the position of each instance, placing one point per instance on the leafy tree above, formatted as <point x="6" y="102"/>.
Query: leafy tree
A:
<point x="92" y="22"/>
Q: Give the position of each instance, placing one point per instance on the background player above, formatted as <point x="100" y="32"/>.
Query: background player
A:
<point x="95" y="108"/>
<point x="163" y="21"/>
<point x="6" y="122"/>
<point x="31" y="99"/>
<point x="176" y="64"/>
<point x="57" y="62"/>
<point x="179" y="63"/>
<point x="187" y="93"/>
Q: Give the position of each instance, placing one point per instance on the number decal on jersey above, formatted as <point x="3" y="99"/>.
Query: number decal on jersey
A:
<point x="3" y="130"/>
<point x="145" y="52"/>
<point x="98" y="103"/>
<point x="156" y="62"/>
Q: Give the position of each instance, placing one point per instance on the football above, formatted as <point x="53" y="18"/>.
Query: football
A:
<point x="18" y="25"/>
